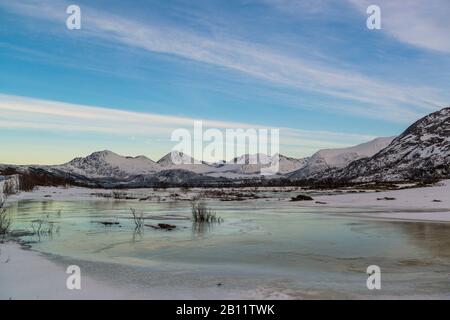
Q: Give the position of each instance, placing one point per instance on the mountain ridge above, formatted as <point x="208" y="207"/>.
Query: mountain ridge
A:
<point x="421" y="152"/>
<point x="326" y="159"/>
<point x="110" y="169"/>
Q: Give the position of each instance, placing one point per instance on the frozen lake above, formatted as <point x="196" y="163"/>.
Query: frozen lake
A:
<point x="261" y="250"/>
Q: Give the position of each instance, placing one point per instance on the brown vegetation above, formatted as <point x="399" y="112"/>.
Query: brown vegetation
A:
<point x="138" y="219"/>
<point x="301" y="197"/>
<point x="202" y="214"/>
<point x="5" y="220"/>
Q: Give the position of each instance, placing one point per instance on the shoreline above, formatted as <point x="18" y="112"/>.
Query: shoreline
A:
<point x="31" y="274"/>
<point x="424" y="204"/>
<point x="27" y="274"/>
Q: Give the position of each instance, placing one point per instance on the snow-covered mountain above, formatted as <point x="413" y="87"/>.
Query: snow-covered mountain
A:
<point x="178" y="160"/>
<point x="288" y="164"/>
<point x="106" y="168"/>
<point x="252" y="164"/>
<point x="175" y="158"/>
<point x="107" y="164"/>
<point x="338" y="158"/>
<point x="422" y="151"/>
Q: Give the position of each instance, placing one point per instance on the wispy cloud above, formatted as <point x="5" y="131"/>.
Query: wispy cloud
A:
<point x="42" y="115"/>
<point x="250" y="59"/>
<point x="424" y="24"/>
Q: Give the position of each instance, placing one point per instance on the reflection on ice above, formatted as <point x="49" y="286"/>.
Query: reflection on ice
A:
<point x="299" y="252"/>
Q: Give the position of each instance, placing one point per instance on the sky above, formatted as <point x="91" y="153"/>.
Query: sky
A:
<point x="137" y="70"/>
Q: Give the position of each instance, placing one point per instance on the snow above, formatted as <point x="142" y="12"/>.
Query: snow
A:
<point x="23" y="274"/>
<point x="174" y="158"/>
<point x="105" y="163"/>
<point x="29" y="275"/>
<point x="339" y="158"/>
<point x="287" y="164"/>
<point x="409" y="204"/>
<point x="180" y="160"/>
<point x="244" y="166"/>
<point x="57" y="193"/>
<point x="109" y="165"/>
<point x="14" y="180"/>
<point x="251" y="165"/>
<point x="421" y="151"/>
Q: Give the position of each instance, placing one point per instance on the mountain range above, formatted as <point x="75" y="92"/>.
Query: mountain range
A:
<point x="422" y="151"/>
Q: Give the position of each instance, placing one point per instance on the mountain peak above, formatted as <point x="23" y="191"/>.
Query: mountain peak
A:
<point x="109" y="164"/>
<point x="338" y="158"/>
<point x="175" y="158"/>
<point x="422" y="151"/>
<point x="103" y="153"/>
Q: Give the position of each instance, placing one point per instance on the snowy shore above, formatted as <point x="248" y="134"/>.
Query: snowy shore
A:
<point x="424" y="204"/>
<point x="25" y="274"/>
<point x="29" y="275"/>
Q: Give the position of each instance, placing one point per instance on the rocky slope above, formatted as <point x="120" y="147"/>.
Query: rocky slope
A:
<point x="107" y="164"/>
<point x="176" y="160"/>
<point x="338" y="158"/>
<point x="252" y="164"/>
<point x="421" y="152"/>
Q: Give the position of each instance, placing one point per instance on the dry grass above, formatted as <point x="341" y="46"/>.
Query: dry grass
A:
<point x="42" y="227"/>
<point x="185" y="189"/>
<point x="231" y="195"/>
<point x="302" y="197"/>
<point x="202" y="214"/>
<point x="5" y="221"/>
<point x="5" y="217"/>
<point x="8" y="188"/>
<point x="122" y="196"/>
<point x="138" y="218"/>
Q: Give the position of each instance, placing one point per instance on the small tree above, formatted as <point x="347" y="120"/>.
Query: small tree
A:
<point x="5" y="220"/>
<point x="202" y="214"/>
<point x="138" y="219"/>
<point x="8" y="187"/>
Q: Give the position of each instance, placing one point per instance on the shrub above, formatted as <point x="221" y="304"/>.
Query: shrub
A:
<point x="34" y="177"/>
<point x="302" y="197"/>
<point x="138" y="219"/>
<point x="119" y="195"/>
<point x="185" y="189"/>
<point x="201" y="213"/>
<point x="42" y="226"/>
<point x="5" y="220"/>
<point x="8" y="188"/>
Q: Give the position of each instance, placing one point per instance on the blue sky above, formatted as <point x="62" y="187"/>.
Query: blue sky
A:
<point x="311" y="68"/>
